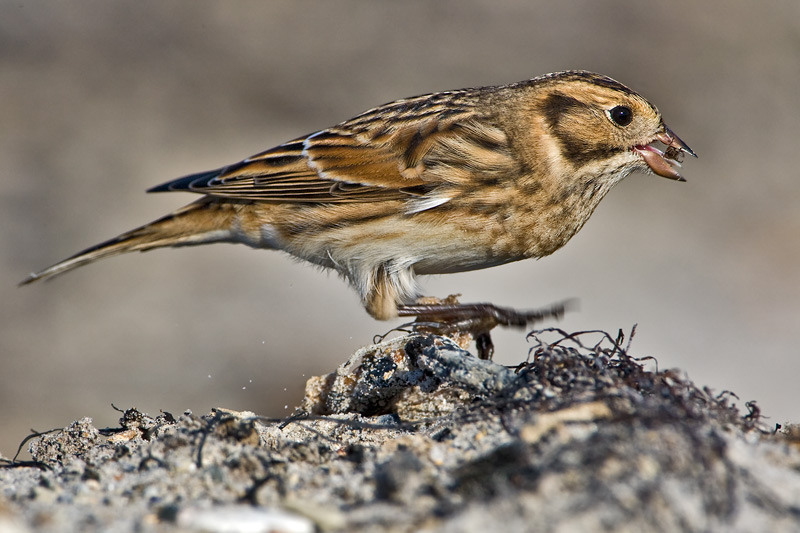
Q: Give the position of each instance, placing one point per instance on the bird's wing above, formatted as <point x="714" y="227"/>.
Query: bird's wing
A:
<point x="401" y="150"/>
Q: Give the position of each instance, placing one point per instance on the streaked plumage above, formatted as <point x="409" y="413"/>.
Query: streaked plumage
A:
<point x="444" y="182"/>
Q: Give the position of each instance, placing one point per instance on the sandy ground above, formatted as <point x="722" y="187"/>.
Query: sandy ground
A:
<point x="99" y="101"/>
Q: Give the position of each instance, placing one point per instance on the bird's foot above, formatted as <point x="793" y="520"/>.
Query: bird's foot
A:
<point x="447" y="316"/>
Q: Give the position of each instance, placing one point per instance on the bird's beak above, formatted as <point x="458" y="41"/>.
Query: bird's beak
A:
<point x="664" y="163"/>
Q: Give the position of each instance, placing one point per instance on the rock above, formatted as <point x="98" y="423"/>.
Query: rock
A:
<point x="416" y="433"/>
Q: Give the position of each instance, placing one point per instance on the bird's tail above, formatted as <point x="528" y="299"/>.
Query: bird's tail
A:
<point x="201" y="222"/>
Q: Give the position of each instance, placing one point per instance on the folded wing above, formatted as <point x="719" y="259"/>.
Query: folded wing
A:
<point x="402" y="150"/>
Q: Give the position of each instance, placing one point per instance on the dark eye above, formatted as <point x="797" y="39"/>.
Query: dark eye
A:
<point x="621" y="115"/>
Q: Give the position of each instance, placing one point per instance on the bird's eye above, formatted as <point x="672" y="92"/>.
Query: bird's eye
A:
<point x="621" y="115"/>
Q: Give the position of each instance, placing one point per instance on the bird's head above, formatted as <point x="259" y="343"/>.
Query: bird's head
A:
<point x="599" y="124"/>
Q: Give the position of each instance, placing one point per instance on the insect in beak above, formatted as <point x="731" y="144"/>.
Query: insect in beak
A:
<point x="664" y="163"/>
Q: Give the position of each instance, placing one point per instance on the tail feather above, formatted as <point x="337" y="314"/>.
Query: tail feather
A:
<point x="201" y="222"/>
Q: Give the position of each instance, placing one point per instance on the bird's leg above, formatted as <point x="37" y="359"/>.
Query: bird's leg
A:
<point x="446" y="316"/>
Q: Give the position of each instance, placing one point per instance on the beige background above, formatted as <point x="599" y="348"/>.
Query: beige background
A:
<point x="100" y="100"/>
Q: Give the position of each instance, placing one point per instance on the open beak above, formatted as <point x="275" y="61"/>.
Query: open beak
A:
<point x="664" y="163"/>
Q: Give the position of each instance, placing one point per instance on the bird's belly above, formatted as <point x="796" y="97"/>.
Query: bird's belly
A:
<point x="459" y="261"/>
<point x="401" y="243"/>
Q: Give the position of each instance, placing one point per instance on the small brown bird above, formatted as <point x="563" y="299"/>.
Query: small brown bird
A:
<point x="445" y="182"/>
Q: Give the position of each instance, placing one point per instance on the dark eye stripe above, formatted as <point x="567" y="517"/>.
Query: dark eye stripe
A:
<point x="557" y="105"/>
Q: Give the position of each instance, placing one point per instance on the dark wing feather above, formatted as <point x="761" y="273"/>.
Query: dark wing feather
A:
<point x="378" y="155"/>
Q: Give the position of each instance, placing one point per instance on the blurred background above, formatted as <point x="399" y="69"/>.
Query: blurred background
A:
<point x="101" y="100"/>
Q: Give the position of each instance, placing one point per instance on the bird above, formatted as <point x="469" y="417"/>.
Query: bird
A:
<point x="444" y="182"/>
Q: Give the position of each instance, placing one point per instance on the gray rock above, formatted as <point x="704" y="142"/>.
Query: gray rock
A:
<point x="414" y="434"/>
